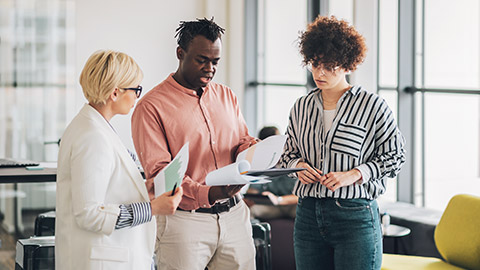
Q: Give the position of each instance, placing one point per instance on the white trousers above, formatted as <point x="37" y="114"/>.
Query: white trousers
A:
<point x="193" y="241"/>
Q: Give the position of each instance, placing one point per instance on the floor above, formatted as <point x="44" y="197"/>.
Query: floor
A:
<point x="9" y="240"/>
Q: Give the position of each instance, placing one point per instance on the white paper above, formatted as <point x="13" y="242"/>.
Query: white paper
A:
<point x="260" y="156"/>
<point x="265" y="154"/>
<point x="173" y="173"/>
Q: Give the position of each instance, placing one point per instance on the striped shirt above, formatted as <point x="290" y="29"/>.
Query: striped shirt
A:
<point x="364" y="135"/>
<point x="134" y="214"/>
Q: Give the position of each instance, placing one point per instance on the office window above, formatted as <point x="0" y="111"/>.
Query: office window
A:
<point x="36" y="100"/>
<point x="452" y="122"/>
<point x="452" y="44"/>
<point x="279" y="77"/>
<point x="36" y="72"/>
<point x="452" y="125"/>
<point x="446" y="94"/>
<point x="388" y="67"/>
<point x="388" y="43"/>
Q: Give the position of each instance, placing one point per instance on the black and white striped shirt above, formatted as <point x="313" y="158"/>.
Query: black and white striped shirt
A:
<point x="364" y="135"/>
<point x="134" y="214"/>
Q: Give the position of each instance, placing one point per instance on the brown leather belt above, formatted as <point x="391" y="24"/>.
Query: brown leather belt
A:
<point x="218" y="207"/>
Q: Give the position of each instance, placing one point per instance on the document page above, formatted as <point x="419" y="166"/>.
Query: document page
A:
<point x="253" y="165"/>
<point x="173" y="173"/>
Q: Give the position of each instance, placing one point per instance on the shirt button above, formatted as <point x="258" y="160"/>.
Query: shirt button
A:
<point x="101" y="207"/>
<point x="213" y="142"/>
<point x="193" y="92"/>
<point x="204" y="205"/>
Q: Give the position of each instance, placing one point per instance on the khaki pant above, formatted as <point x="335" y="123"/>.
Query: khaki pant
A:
<point x="193" y="241"/>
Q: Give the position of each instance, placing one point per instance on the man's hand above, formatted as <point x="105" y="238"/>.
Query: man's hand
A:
<point x="166" y="204"/>
<point x="335" y="180"/>
<point x="310" y="175"/>
<point x="223" y="192"/>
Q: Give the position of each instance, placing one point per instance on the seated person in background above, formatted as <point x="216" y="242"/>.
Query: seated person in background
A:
<point x="279" y="191"/>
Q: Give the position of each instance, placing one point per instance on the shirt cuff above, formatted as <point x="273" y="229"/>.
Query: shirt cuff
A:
<point x="295" y="162"/>
<point x="142" y="213"/>
<point x="125" y="217"/>
<point x="133" y="214"/>
<point x="364" y="170"/>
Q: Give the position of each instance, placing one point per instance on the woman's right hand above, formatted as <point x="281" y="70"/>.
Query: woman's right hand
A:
<point x="310" y="175"/>
<point x="166" y="204"/>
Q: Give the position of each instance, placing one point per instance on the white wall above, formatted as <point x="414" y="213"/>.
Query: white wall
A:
<point x="145" y="30"/>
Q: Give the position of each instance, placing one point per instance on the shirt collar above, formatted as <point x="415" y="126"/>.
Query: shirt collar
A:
<point x="354" y="90"/>
<point x="183" y="89"/>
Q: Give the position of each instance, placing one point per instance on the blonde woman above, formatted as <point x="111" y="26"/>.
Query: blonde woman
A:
<point x="104" y="212"/>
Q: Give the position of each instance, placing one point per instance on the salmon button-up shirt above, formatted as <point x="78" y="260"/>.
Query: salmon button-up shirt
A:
<point x="170" y="115"/>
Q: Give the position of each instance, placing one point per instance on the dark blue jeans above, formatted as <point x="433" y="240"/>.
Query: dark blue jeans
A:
<point x="337" y="234"/>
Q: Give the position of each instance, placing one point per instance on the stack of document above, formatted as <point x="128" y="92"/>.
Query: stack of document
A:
<point x="254" y="165"/>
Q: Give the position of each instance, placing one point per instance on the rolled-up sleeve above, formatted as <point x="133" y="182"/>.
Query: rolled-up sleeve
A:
<point x="390" y="152"/>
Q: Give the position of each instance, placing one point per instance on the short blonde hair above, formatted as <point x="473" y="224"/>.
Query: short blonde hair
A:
<point x="104" y="71"/>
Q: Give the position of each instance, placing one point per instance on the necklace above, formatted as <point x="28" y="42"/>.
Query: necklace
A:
<point x="328" y="103"/>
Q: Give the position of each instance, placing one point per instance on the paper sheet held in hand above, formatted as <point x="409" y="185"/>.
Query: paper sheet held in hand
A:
<point x="173" y="173"/>
<point x="253" y="165"/>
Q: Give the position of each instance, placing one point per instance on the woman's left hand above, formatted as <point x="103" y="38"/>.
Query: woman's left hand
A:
<point x="335" y="180"/>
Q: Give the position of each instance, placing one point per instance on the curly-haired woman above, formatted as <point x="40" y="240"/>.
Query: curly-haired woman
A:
<point x="349" y="143"/>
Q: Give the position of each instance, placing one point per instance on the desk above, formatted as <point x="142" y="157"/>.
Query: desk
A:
<point x="395" y="232"/>
<point x="22" y="175"/>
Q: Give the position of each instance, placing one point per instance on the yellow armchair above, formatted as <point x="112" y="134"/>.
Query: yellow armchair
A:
<point x="457" y="237"/>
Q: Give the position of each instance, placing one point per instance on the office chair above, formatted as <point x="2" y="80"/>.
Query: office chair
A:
<point x="457" y="237"/>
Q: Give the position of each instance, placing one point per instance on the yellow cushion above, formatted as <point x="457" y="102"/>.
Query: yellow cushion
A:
<point x="457" y="235"/>
<point x="402" y="262"/>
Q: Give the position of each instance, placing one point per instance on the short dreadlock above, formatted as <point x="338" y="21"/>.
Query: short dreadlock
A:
<point x="189" y="30"/>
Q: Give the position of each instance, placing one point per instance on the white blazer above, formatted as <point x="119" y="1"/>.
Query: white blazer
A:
<point x="95" y="175"/>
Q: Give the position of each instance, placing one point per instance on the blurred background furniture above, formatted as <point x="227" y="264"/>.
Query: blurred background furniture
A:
<point x="457" y="237"/>
<point x="35" y="253"/>
<point x="421" y="222"/>
<point x="395" y="232"/>
<point x="45" y="224"/>
<point x="262" y="239"/>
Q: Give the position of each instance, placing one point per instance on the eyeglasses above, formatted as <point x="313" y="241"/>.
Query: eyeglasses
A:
<point x="138" y="90"/>
<point x="324" y="71"/>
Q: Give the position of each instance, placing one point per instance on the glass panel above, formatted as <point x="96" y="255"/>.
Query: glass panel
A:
<point x="388" y="43"/>
<point x="451" y="147"/>
<point x="342" y="9"/>
<point x="451" y="45"/>
<point x="283" y="20"/>
<point x="418" y="146"/>
<point x="391" y="97"/>
<point x="36" y="93"/>
<point x="419" y="44"/>
<point x="36" y="82"/>
<point x="277" y="103"/>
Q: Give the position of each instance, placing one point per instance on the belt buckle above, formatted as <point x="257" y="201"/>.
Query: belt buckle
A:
<point x="222" y="207"/>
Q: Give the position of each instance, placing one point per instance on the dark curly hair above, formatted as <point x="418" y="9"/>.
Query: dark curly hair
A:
<point x="189" y="30"/>
<point x="332" y="42"/>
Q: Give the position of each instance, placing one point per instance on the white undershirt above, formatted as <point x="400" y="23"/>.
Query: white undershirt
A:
<point x="328" y="116"/>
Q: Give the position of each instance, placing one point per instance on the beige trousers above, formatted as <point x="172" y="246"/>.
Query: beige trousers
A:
<point x="193" y="241"/>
